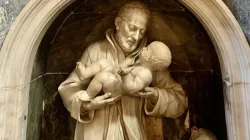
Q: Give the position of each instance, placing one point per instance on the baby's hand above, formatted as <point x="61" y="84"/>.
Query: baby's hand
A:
<point x="125" y="71"/>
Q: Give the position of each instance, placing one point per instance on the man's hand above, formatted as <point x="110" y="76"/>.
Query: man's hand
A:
<point x="99" y="102"/>
<point x="149" y="93"/>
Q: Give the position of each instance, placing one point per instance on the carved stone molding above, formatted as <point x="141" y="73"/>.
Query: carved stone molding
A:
<point x="234" y="56"/>
<point x="20" y="46"/>
<point x="16" y="61"/>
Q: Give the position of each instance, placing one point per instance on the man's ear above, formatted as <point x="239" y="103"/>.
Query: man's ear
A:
<point x="117" y="23"/>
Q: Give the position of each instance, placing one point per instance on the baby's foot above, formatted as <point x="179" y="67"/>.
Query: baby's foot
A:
<point x="84" y="96"/>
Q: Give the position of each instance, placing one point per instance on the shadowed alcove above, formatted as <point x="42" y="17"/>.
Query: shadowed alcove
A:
<point x="194" y="65"/>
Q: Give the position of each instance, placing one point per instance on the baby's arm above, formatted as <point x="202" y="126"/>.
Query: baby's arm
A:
<point x="94" y="68"/>
<point x="136" y="80"/>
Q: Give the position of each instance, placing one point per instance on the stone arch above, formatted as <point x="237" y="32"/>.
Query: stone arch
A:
<point x="20" y="46"/>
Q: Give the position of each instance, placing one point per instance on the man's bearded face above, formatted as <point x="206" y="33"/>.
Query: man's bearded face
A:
<point x="131" y="30"/>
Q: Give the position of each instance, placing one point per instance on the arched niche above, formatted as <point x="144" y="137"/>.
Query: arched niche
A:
<point x="17" y="58"/>
<point x="194" y="65"/>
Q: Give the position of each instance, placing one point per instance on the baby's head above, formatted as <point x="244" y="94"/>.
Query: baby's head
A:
<point x="156" y="55"/>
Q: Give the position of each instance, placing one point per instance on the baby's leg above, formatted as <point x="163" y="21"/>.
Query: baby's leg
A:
<point x="94" y="68"/>
<point x="94" y="87"/>
<point x="105" y="81"/>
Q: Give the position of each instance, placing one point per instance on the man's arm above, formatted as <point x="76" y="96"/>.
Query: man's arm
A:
<point x="171" y="97"/>
<point x="72" y="89"/>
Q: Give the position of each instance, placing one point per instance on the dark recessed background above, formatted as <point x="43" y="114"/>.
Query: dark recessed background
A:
<point x="195" y="66"/>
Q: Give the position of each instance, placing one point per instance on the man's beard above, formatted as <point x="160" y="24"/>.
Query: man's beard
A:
<point x="128" y="47"/>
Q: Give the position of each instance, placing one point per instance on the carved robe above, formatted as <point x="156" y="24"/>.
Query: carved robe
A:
<point x="123" y="120"/>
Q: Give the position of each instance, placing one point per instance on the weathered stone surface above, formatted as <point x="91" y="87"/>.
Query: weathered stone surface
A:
<point x="35" y="109"/>
<point x="241" y="10"/>
<point x="9" y="9"/>
<point x="36" y="95"/>
<point x="57" y="123"/>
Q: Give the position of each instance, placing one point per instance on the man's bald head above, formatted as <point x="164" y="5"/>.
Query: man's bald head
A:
<point x="131" y="7"/>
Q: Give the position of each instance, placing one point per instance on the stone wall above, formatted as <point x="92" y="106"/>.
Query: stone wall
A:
<point x="241" y="10"/>
<point x="9" y="9"/>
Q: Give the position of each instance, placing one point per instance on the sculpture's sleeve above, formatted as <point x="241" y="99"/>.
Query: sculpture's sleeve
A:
<point x="171" y="102"/>
<point x="71" y="88"/>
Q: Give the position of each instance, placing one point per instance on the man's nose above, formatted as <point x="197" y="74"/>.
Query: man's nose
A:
<point x="136" y="35"/>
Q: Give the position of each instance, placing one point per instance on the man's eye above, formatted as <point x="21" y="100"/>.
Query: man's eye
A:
<point x="132" y="27"/>
<point x="142" y="31"/>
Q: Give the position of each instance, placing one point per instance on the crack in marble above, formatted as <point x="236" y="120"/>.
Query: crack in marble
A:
<point x="67" y="17"/>
<point x="228" y="83"/>
<point x="35" y="79"/>
<point x="191" y="71"/>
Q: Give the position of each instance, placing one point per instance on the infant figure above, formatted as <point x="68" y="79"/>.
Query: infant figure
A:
<point x="125" y="80"/>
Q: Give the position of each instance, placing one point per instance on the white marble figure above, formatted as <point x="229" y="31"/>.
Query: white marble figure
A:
<point x="107" y="117"/>
<point x="201" y="134"/>
<point x="156" y="56"/>
<point x="198" y="133"/>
